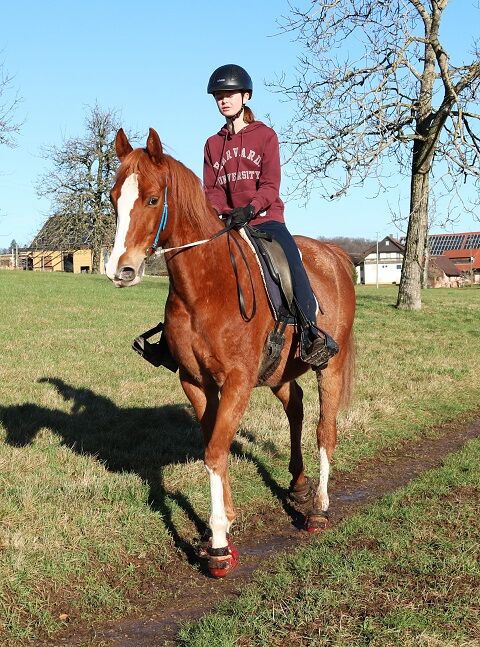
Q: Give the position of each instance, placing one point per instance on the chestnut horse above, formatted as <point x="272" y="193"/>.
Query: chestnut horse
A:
<point x="219" y="352"/>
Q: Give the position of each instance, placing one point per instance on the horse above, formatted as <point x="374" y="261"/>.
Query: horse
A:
<point x="160" y="202"/>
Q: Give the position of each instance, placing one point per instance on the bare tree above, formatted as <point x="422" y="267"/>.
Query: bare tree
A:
<point x="376" y="91"/>
<point x="79" y="183"/>
<point x="353" y="246"/>
<point x="9" y="102"/>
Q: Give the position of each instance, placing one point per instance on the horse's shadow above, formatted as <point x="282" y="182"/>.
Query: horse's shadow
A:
<point x="139" y="440"/>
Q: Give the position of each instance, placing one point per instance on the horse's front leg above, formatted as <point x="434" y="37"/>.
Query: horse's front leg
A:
<point x="205" y="403"/>
<point x="204" y="400"/>
<point x="233" y="401"/>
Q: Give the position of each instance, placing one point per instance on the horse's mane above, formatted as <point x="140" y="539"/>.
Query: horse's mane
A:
<point x="184" y="186"/>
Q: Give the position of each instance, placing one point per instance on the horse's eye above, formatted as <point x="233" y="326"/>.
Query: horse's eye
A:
<point x="152" y="201"/>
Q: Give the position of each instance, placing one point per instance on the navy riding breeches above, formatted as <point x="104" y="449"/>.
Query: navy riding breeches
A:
<point x="301" y="285"/>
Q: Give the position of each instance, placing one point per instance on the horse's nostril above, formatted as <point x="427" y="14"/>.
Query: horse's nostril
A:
<point x="126" y="274"/>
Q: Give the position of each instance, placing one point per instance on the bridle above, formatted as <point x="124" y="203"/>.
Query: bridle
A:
<point x="161" y="226"/>
<point x="153" y="249"/>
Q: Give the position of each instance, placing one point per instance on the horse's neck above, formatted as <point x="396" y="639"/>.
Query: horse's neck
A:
<point x="191" y="266"/>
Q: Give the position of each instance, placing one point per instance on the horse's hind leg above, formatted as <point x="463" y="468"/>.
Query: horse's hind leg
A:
<point x="330" y="383"/>
<point x="290" y="395"/>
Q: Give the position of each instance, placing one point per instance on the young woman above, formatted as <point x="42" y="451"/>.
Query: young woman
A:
<point x="241" y="176"/>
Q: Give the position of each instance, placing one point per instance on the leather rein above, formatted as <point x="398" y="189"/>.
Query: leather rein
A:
<point x="153" y="249"/>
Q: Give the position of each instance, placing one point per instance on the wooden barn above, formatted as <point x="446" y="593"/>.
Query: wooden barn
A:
<point x="45" y="254"/>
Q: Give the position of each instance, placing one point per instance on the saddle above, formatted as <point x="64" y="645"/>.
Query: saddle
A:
<point x="285" y="308"/>
<point x="275" y="271"/>
<point x="277" y="280"/>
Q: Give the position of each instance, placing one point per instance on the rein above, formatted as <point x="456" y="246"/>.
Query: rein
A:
<point x="153" y="249"/>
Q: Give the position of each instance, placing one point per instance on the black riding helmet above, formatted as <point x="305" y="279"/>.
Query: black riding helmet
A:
<point x="230" y="78"/>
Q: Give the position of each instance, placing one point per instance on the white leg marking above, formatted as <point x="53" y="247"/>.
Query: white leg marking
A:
<point x="322" y="492"/>
<point x="128" y="195"/>
<point x="218" y="519"/>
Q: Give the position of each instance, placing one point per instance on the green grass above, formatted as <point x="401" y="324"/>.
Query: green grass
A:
<point x="100" y="458"/>
<point x="405" y="572"/>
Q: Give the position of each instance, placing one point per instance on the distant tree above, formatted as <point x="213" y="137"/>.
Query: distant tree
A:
<point x="9" y="102"/>
<point x="79" y="183"/>
<point x="13" y="245"/>
<point x="376" y="85"/>
<point x="352" y="246"/>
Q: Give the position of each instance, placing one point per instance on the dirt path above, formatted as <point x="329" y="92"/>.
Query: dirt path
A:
<point x="193" y="594"/>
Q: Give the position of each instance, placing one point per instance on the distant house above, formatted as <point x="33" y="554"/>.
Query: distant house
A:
<point x="46" y="255"/>
<point x="15" y="260"/>
<point x="442" y="273"/>
<point x="462" y="249"/>
<point x="382" y="265"/>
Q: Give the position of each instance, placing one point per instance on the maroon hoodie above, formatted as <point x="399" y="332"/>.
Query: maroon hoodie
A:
<point x="244" y="168"/>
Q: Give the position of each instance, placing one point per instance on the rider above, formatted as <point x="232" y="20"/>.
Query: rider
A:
<point x="241" y="176"/>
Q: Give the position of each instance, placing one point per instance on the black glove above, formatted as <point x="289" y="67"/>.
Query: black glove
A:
<point x="240" y="216"/>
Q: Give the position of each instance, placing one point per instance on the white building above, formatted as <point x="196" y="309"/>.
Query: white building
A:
<point x="382" y="264"/>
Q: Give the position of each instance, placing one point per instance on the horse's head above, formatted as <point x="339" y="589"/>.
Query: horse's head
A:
<point x="138" y="197"/>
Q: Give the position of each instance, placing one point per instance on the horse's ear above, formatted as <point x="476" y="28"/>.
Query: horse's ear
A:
<point x="154" y="146"/>
<point x="122" y="145"/>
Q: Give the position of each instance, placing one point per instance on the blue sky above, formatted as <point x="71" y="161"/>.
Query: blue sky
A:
<point x="151" y="61"/>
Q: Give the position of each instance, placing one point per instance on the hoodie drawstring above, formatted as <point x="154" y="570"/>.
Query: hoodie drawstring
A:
<point x="238" y="161"/>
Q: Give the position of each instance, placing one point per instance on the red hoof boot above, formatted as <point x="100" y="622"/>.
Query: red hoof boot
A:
<point x="317" y="521"/>
<point x="222" y="561"/>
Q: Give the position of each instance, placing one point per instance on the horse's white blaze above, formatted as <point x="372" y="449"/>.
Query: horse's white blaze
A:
<point x="218" y="519"/>
<point x="322" y="492"/>
<point x="128" y="195"/>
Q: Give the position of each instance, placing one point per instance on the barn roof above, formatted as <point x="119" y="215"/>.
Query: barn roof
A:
<point x="59" y="233"/>
<point x="388" y="244"/>
<point x="445" y="265"/>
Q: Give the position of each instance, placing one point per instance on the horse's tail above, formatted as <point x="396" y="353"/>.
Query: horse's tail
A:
<point x="348" y="372"/>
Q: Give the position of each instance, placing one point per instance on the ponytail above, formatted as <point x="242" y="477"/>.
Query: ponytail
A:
<point x="248" y="116"/>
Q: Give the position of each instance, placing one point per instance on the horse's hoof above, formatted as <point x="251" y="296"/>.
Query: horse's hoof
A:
<point x="317" y="521"/>
<point x="222" y="561"/>
<point x="205" y="544"/>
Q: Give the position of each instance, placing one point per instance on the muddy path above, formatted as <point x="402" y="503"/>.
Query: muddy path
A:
<point x="192" y="594"/>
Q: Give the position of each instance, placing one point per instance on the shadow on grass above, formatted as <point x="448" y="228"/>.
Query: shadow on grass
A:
<point x="139" y="440"/>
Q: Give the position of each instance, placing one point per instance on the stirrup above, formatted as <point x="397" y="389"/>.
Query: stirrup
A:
<point x="318" y="352"/>
<point x="157" y="353"/>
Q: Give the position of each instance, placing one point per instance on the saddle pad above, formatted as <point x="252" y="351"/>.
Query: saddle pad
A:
<point x="272" y="289"/>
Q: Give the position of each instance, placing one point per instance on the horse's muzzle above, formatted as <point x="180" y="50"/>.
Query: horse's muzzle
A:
<point x="126" y="274"/>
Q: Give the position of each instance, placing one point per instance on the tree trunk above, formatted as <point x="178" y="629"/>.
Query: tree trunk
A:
<point x="96" y="255"/>
<point x="409" y="294"/>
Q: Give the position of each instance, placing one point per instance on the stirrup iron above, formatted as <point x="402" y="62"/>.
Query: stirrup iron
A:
<point x="156" y="353"/>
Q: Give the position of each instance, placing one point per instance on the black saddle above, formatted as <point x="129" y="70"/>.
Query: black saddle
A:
<point x="276" y="274"/>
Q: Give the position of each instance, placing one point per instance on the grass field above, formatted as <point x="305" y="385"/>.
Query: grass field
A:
<point x="404" y="573"/>
<point x="100" y="458"/>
